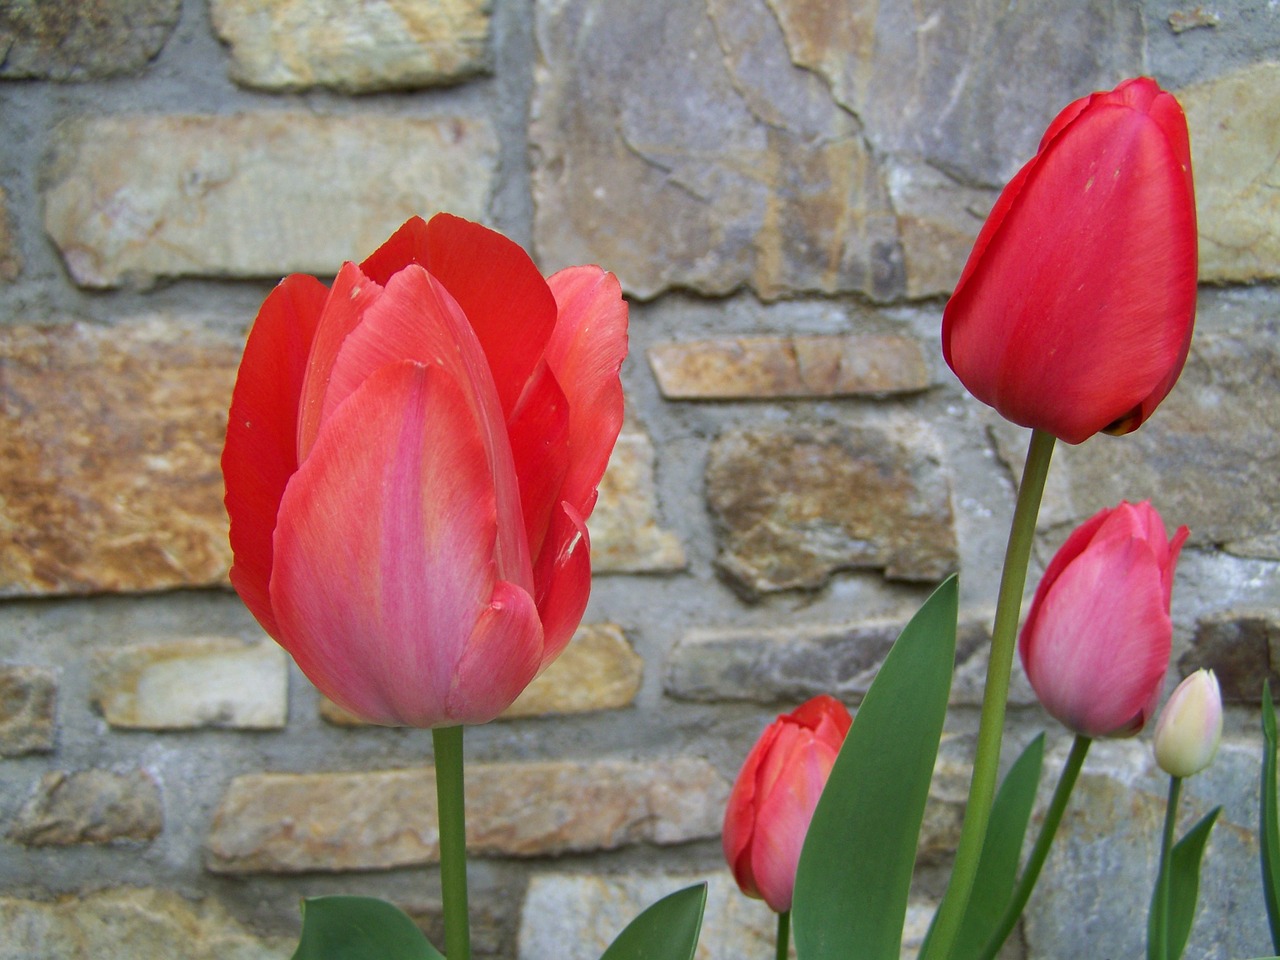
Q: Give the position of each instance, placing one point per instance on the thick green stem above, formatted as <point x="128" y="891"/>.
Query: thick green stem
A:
<point x="784" y="934"/>
<point x="451" y="816"/>
<point x="986" y="763"/>
<point x="1031" y="871"/>
<point x="1158" y="926"/>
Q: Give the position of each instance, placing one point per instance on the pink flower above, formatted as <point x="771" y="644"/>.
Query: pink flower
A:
<point x="1074" y="312"/>
<point x="410" y="459"/>
<point x="775" y="795"/>
<point x="1097" y="638"/>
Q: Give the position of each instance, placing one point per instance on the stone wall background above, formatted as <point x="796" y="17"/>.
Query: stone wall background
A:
<point x="787" y="189"/>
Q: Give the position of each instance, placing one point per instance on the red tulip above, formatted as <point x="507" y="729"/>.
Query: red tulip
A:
<point x="1097" y="638"/>
<point x="1074" y="312"/>
<point x="410" y="458"/>
<point x="775" y="796"/>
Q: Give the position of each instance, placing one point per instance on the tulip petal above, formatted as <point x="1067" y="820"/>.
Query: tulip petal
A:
<point x="585" y="353"/>
<point x="407" y="245"/>
<point x="261" y="449"/>
<point x="415" y="318"/>
<point x="384" y="547"/>
<point x="503" y="655"/>
<point x="501" y="292"/>
<point x="539" y="432"/>
<point x="563" y="580"/>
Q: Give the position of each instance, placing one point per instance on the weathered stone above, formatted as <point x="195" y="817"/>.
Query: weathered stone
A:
<point x="710" y="162"/>
<point x="90" y="806"/>
<point x="926" y="78"/>
<point x="575" y="916"/>
<point x="597" y="671"/>
<point x="130" y="923"/>
<point x="289" y="823"/>
<point x="28" y="697"/>
<point x="765" y="367"/>
<point x="625" y="536"/>
<point x="1242" y="649"/>
<point x="201" y="682"/>
<point x="794" y="504"/>
<point x="109" y="476"/>
<point x="1235" y="151"/>
<point x="1101" y="868"/>
<point x="1183" y="20"/>
<point x="135" y="197"/>
<point x="353" y="47"/>
<point x="87" y="40"/>
<point x="10" y="256"/>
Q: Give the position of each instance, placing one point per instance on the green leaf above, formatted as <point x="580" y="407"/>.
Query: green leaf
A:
<point x="1184" y="882"/>
<point x="1270" y="827"/>
<point x="855" y="869"/>
<point x="359" y="928"/>
<point x="667" y="930"/>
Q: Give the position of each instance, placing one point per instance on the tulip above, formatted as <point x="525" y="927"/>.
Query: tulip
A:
<point x="410" y="459"/>
<point x="1097" y="638"/>
<point x="1190" y="726"/>
<point x="1075" y="309"/>
<point x="775" y="795"/>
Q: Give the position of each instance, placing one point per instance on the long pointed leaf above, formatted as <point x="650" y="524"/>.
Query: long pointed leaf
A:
<point x="855" y="869"/>
<point x="359" y="928"/>
<point x="1184" y="882"/>
<point x="666" y="930"/>
<point x="1269" y="830"/>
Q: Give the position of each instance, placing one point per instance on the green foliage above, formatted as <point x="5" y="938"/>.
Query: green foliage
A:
<point x="667" y="930"/>
<point x="1269" y="829"/>
<point x="359" y="928"/>
<point x="1184" y="882"/>
<point x="855" y="870"/>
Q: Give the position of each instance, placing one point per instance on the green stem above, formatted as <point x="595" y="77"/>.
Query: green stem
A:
<point x="451" y="816"/>
<point x="784" y="934"/>
<point x="1158" y="927"/>
<point x="1035" y="861"/>
<point x="986" y="762"/>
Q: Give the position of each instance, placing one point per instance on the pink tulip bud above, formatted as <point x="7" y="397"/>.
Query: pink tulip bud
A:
<point x="1096" y="641"/>
<point x="1074" y="312"/>
<point x="775" y="795"/>
<point x="1190" y="726"/>
<point x="410" y="459"/>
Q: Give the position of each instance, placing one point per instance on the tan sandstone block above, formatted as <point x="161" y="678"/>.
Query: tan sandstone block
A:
<point x="90" y="806"/>
<point x="355" y="46"/>
<point x="625" y="534"/>
<point x="28" y="698"/>
<point x="129" y="198"/>
<point x="292" y="823"/>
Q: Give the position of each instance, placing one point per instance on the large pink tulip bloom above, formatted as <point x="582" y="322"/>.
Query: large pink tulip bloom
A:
<point x="1075" y="309"/>
<point x="410" y="459"/>
<point x="775" y="795"/>
<point x="1097" y="638"/>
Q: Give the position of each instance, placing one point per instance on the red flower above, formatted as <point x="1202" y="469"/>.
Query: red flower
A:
<point x="1074" y="312"/>
<point x="410" y="458"/>
<point x="1097" y="638"/>
<point x="775" y="795"/>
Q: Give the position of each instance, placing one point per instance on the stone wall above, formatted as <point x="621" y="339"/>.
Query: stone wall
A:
<point x="787" y="189"/>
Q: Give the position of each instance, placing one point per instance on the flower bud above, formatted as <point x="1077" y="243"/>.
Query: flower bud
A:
<point x="1190" y="726"/>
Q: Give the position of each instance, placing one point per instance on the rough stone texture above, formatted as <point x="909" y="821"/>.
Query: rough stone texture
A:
<point x="90" y="806"/>
<point x="1242" y="649"/>
<point x="10" y="256"/>
<point x="677" y="143"/>
<point x="792" y="664"/>
<point x="351" y="46"/>
<point x="796" y="503"/>
<point x="1111" y="835"/>
<point x="130" y="198"/>
<point x="129" y="923"/>
<point x="28" y="699"/>
<point x="597" y="671"/>
<point x="625" y="535"/>
<point x="290" y="823"/>
<point x="768" y="367"/>
<point x="87" y="40"/>
<point x="109" y="446"/>
<point x="200" y="682"/>
<point x="575" y="916"/>
<point x="1235" y="151"/>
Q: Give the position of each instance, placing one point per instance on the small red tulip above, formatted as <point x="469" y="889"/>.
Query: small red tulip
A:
<point x="1097" y="638"/>
<point x="775" y="795"/>
<point x="410" y="459"/>
<point x="1075" y="310"/>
